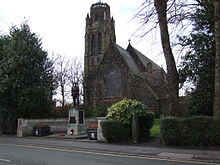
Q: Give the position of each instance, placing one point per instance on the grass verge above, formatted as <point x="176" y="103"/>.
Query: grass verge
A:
<point x="155" y="130"/>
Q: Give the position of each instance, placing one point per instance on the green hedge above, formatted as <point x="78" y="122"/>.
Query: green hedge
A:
<point x="198" y="131"/>
<point x="115" y="131"/>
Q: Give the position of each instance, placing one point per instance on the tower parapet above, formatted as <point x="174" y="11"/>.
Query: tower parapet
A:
<point x="99" y="31"/>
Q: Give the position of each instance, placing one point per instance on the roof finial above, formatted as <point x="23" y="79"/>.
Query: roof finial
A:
<point x="129" y="41"/>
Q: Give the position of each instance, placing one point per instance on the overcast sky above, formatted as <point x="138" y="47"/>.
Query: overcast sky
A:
<point x="61" y="24"/>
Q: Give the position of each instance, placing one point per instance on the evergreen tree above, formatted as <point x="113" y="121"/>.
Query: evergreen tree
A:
<point x="26" y="76"/>
<point x="216" y="106"/>
<point x="198" y="63"/>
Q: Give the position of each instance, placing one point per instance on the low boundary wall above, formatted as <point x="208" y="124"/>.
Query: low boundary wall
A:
<point x="25" y="126"/>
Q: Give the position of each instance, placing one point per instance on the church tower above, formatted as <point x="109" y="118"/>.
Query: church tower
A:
<point x="100" y="30"/>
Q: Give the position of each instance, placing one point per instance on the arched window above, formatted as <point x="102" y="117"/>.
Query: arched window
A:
<point x="89" y="42"/>
<point x="98" y="60"/>
<point x="96" y="17"/>
<point x="104" y="15"/>
<point x="149" y="67"/>
<point x="99" y="42"/>
<point x="149" y="72"/>
<point x="92" y="61"/>
<point x="93" y="41"/>
<point x="112" y="82"/>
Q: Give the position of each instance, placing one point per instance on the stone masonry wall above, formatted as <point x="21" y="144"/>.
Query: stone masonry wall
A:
<point x="25" y="126"/>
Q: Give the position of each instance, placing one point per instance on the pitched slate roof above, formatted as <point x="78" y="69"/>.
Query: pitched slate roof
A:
<point x="133" y="66"/>
<point x="130" y="61"/>
<point x="145" y="60"/>
<point x="156" y="70"/>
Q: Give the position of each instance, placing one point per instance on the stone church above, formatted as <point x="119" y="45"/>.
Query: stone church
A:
<point x="112" y="72"/>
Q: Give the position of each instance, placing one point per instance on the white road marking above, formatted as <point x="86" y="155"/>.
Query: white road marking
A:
<point x="5" y="160"/>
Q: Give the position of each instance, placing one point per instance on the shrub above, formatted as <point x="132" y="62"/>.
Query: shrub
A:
<point x="170" y="131"/>
<point x="125" y="109"/>
<point x="90" y="112"/>
<point x="115" y="131"/>
<point x="98" y="112"/>
<point x="197" y="130"/>
<point x="101" y="111"/>
<point x="61" y="112"/>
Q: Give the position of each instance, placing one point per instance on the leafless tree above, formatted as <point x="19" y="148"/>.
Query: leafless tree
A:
<point x="62" y="71"/>
<point x="68" y="71"/>
<point x="216" y="107"/>
<point x="76" y="76"/>
<point x="167" y="13"/>
<point x="172" y="74"/>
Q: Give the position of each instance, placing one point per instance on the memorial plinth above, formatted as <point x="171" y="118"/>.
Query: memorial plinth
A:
<point x="76" y="122"/>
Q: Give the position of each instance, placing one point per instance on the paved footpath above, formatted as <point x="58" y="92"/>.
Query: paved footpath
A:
<point x="150" y="149"/>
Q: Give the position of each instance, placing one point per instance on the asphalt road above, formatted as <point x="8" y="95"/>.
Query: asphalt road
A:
<point x="32" y="155"/>
<point x="26" y="154"/>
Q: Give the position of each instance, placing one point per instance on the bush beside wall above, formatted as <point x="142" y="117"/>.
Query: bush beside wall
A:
<point x="198" y="131"/>
<point x="126" y="110"/>
<point x="115" y="131"/>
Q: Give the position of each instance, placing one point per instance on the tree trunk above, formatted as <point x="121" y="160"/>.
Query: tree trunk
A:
<point x="216" y="106"/>
<point x="62" y="94"/>
<point x="172" y="74"/>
